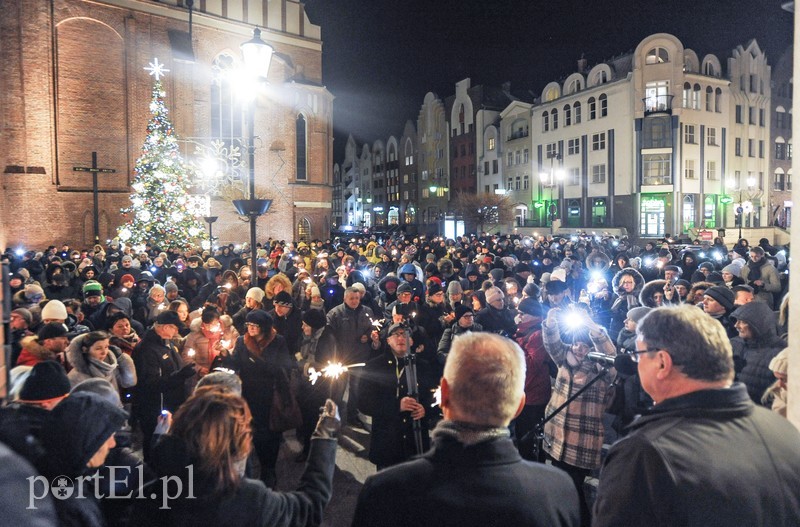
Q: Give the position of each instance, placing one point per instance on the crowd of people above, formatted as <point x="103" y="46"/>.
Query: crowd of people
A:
<point x="494" y="359"/>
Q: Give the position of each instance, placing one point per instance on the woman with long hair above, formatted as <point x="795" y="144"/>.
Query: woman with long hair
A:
<point x="92" y="356"/>
<point x="207" y="448"/>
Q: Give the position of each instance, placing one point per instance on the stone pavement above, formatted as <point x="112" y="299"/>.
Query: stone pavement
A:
<point x="352" y="468"/>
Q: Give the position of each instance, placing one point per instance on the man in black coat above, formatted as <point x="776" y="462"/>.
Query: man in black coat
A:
<point x="473" y="475"/>
<point x="703" y="444"/>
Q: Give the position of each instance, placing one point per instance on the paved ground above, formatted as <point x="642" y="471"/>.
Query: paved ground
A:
<point x="352" y="468"/>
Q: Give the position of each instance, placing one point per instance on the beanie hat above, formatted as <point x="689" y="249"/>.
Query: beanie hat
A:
<point x="92" y="288"/>
<point x="260" y="317"/>
<point x="684" y="283"/>
<point x="530" y="306"/>
<point x="170" y="286"/>
<point x="461" y="310"/>
<point x="408" y="269"/>
<point x="47" y="380"/>
<point x="434" y="288"/>
<point x="780" y="362"/>
<point x="555" y="286"/>
<point x="77" y="427"/>
<point x="531" y="290"/>
<point x="522" y="267"/>
<point x="315" y="318"/>
<point x="283" y="299"/>
<point x="25" y="314"/>
<point x="127" y="278"/>
<point x="559" y="274"/>
<point x="721" y="294"/>
<point x="315" y="291"/>
<point x="732" y="269"/>
<point x="358" y="285"/>
<point x="431" y="268"/>
<point x="675" y="269"/>
<point x="127" y="258"/>
<point x="54" y="310"/>
<point x="704" y="265"/>
<point x="405" y="287"/>
<point x="34" y="293"/>
<point x="256" y="293"/>
<point x="101" y="387"/>
<point x="494" y="294"/>
<point x="637" y="313"/>
<point x="52" y="330"/>
<point x="169" y="317"/>
<point x="454" y="288"/>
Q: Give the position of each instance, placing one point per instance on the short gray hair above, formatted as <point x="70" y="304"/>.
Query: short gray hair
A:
<point x="696" y="342"/>
<point x="229" y="382"/>
<point x="486" y="376"/>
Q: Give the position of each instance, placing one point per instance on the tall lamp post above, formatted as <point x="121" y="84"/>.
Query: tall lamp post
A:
<point x="550" y="180"/>
<point x="742" y="207"/>
<point x="257" y="56"/>
<point x="210" y="220"/>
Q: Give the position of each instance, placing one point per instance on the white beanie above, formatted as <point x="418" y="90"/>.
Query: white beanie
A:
<point x="494" y="294"/>
<point x="256" y="293"/>
<point x="54" y="310"/>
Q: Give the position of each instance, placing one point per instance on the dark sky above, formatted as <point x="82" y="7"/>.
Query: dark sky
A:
<point x="380" y="57"/>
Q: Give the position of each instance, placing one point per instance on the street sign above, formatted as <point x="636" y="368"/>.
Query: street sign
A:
<point x="725" y="200"/>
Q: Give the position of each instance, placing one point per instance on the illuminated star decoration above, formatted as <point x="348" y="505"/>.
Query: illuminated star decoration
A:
<point x="156" y="70"/>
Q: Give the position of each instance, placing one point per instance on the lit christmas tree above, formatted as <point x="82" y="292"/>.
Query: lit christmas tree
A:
<point x="161" y="210"/>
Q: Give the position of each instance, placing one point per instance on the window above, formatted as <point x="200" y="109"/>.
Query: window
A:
<point x="494" y="166"/>
<point x="517" y="157"/>
<point x="709" y="69"/>
<point x="509" y="159"/>
<point x="709" y="99"/>
<point x="738" y="146"/>
<point x="592" y="108"/>
<point x="657" y="169"/>
<point x="574" y="176"/>
<point x="598" y="173"/>
<point x="226" y="110"/>
<point x="761" y="149"/>
<point x="526" y="155"/>
<point x="788" y="151"/>
<point x="491" y="143"/>
<point x="656" y="56"/>
<point x="688" y="213"/>
<point x="567" y="115"/>
<point x="603" y="105"/>
<point x="718" y="100"/>
<point x="526" y="182"/>
<point x="780" y="180"/>
<point x="761" y="117"/>
<point x="599" y="141"/>
<point x="510" y="184"/>
<point x="574" y="146"/>
<point x="688" y="134"/>
<point x="696" y="103"/>
<point x="709" y="212"/>
<point x="780" y="148"/>
<point x="601" y="77"/>
<point x="576" y="108"/>
<point x="753" y="84"/>
<point x="687" y="95"/>
<point x="463" y="150"/>
<point x="485" y="167"/>
<point x="302" y="148"/>
<point x="545" y="122"/>
<point x="751" y="115"/>
<point x="517" y="184"/>
<point x="554" y="117"/>
<point x="751" y="148"/>
<point x="711" y="170"/>
<point x="551" y="150"/>
<point x="780" y="118"/>
<point x="711" y="135"/>
<point x="739" y="114"/>
<point x="688" y="170"/>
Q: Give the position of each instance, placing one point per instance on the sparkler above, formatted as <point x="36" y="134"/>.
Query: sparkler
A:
<point x="377" y="324"/>
<point x="332" y="371"/>
<point x="437" y="397"/>
<point x="190" y="352"/>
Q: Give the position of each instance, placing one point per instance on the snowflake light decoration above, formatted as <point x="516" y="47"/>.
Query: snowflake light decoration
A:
<point x="156" y="69"/>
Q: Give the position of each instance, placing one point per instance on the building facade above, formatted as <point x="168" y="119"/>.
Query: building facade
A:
<point x="73" y="82"/>
<point x="781" y="137"/>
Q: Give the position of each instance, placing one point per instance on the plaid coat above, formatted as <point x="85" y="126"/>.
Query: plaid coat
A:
<point x="575" y="434"/>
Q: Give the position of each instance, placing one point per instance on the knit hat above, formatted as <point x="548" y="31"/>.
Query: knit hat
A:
<point x="169" y="317"/>
<point x="531" y="290"/>
<point x="25" y="314"/>
<point x="127" y="258"/>
<point x="47" y="380"/>
<point x="559" y="274"/>
<point x="522" y="267"/>
<point x="52" y="330"/>
<point x="454" y="288"/>
<point x="684" y="283"/>
<point x="77" y="427"/>
<point x="256" y="293"/>
<point x="530" y="306"/>
<point x="732" y="269"/>
<point x="723" y="295"/>
<point x="101" y="387"/>
<point x="92" y="288"/>
<point x="780" y="362"/>
<point x="34" y="293"/>
<point x="54" y="310"/>
<point x="315" y="291"/>
<point x="493" y="295"/>
<point x="555" y="286"/>
<point x="212" y="263"/>
<point x="127" y="278"/>
<point x="637" y="313"/>
<point x="315" y="318"/>
<point x="264" y="321"/>
<point x="394" y="328"/>
<point x="405" y="287"/>
<point x="283" y="299"/>
<point x="358" y="285"/>
<point x="408" y="269"/>
<point x="434" y="288"/>
<point x="170" y="286"/>
<point x="461" y="310"/>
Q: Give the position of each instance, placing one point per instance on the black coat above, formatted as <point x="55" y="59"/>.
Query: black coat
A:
<point x="692" y="453"/>
<point x="157" y="367"/>
<point x="380" y="392"/>
<point x="452" y="485"/>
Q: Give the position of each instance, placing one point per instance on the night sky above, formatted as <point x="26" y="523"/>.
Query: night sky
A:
<point x="380" y="57"/>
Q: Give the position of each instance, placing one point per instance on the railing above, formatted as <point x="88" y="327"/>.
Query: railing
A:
<point x="658" y="104"/>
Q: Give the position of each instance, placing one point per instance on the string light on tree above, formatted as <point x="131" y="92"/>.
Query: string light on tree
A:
<point x="158" y="211"/>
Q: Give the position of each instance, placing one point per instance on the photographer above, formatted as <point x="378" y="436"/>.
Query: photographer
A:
<point x="573" y="439"/>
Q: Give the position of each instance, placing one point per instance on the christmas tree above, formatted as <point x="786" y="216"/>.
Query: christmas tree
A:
<point x="161" y="209"/>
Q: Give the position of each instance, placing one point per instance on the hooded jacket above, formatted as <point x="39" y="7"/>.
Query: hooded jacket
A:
<point x="117" y="368"/>
<point x="752" y="356"/>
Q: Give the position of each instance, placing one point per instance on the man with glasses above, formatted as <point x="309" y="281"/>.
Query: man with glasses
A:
<point x="704" y="454"/>
<point x="385" y="396"/>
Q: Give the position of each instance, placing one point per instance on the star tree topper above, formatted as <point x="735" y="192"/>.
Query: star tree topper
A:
<point x="156" y="70"/>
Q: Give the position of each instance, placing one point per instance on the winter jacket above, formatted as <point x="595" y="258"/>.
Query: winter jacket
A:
<point x="770" y="278"/>
<point x="349" y="325"/>
<point x="446" y="342"/>
<point x="203" y="343"/>
<point x="500" y="321"/>
<point x="624" y="302"/>
<point x="752" y="356"/>
<point x="537" y="362"/>
<point x="117" y="368"/>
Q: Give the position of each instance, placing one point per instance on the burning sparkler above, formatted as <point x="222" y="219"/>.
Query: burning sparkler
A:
<point x="377" y="324"/>
<point x="437" y="397"/>
<point x="331" y="371"/>
<point x="190" y="352"/>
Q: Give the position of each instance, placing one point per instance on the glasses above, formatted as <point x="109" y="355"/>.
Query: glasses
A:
<point x="467" y="315"/>
<point x="252" y="325"/>
<point x="635" y="354"/>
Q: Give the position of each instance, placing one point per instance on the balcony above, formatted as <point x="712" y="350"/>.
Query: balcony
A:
<point x="658" y="104"/>
<point x="519" y="134"/>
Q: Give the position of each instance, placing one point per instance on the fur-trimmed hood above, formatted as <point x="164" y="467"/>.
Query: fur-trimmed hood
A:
<point x="650" y="289"/>
<point x="637" y="277"/>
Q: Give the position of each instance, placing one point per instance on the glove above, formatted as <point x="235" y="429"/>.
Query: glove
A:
<point x="187" y="371"/>
<point x="329" y="422"/>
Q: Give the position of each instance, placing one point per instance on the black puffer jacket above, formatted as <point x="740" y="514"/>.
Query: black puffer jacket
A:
<point x="624" y="301"/>
<point x="752" y="356"/>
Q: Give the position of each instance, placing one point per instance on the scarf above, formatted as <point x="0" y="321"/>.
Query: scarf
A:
<point x="468" y="434"/>
<point x="755" y="269"/>
<point x="103" y="369"/>
<point x="256" y="346"/>
<point x="308" y="346"/>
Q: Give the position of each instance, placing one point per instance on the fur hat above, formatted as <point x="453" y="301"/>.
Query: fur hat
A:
<point x="54" y="310"/>
<point x="314" y="318"/>
<point x="47" y="380"/>
<point x="723" y="295"/>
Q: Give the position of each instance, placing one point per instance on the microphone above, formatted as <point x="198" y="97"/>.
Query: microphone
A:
<point x="624" y="365"/>
<point x="602" y="358"/>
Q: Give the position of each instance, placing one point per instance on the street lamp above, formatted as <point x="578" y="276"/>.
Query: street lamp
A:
<point x="742" y="207"/>
<point x="550" y="180"/>
<point x="210" y="220"/>
<point x="257" y="56"/>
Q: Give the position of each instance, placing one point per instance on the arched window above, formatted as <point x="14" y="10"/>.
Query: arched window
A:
<point x="780" y="148"/>
<point x="601" y="77"/>
<point x="576" y="108"/>
<point x="603" y="105"/>
<point x="301" y="148"/>
<point x="567" y="115"/>
<point x="545" y="121"/>
<point x="696" y="103"/>
<point x="780" y="118"/>
<point x="718" y="100"/>
<point x="657" y="56"/>
<point x="409" y="153"/>
<point x="687" y="95"/>
<point x="709" y="69"/>
<point x="304" y="230"/>
<point x="592" y="108"/>
<point x="688" y="212"/>
<point x="226" y="108"/>
<point x="709" y="99"/>
<point x="554" y="116"/>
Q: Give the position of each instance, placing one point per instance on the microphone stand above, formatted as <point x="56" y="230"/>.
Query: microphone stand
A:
<point x="538" y="430"/>
<point x="413" y="391"/>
